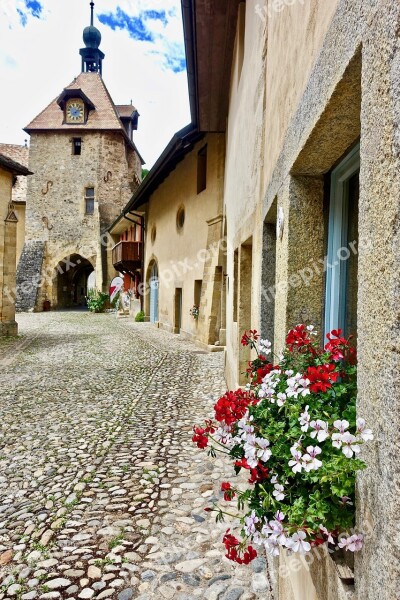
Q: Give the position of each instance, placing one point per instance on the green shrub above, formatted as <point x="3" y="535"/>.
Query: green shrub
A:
<point x="97" y="300"/>
<point x="139" y="317"/>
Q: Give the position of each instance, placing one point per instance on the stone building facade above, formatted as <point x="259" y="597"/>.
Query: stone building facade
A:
<point x="307" y="94"/>
<point x="10" y="171"/>
<point x="86" y="167"/>
<point x="181" y="270"/>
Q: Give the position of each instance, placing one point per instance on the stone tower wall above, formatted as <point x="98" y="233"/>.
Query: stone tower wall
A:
<point x="56" y="197"/>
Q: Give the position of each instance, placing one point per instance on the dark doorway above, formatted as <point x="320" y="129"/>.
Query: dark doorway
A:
<point x="72" y="275"/>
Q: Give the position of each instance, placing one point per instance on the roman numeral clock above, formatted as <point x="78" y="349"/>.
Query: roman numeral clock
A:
<point x="75" y="111"/>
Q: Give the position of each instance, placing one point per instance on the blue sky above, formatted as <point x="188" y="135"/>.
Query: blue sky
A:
<point x="145" y="62"/>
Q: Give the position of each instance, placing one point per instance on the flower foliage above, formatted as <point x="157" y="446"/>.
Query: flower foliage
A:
<point x="295" y="430"/>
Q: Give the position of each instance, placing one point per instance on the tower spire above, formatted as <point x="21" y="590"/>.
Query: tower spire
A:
<point x="92" y="56"/>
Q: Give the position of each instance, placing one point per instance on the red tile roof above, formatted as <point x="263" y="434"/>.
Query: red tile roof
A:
<point x="125" y="110"/>
<point x="104" y="116"/>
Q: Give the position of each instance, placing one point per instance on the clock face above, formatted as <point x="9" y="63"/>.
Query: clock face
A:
<point x="75" y="111"/>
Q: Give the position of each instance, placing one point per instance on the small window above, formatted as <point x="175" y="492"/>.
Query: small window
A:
<point x="235" y="284"/>
<point x="197" y="291"/>
<point x="342" y="272"/>
<point x="153" y="234"/>
<point x="202" y="170"/>
<point x="180" y="218"/>
<point x="89" y="201"/>
<point x="76" y="146"/>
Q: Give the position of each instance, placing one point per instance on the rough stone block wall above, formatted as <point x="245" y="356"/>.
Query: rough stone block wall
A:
<point x="29" y="274"/>
<point x="56" y="197"/>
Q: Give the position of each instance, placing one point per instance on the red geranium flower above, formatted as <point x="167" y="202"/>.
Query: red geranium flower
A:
<point x="232" y="406"/>
<point x="259" y="473"/>
<point x="200" y="437"/>
<point x="298" y="338"/>
<point x="249" y="337"/>
<point x="229" y="494"/>
<point x="232" y="546"/>
<point x="321" y="378"/>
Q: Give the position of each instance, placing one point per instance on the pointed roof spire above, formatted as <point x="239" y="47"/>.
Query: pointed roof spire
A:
<point x="91" y="55"/>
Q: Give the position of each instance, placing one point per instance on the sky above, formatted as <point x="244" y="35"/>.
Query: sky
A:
<point x="145" y="62"/>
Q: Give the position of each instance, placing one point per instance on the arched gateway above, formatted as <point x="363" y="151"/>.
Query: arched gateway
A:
<point x="71" y="281"/>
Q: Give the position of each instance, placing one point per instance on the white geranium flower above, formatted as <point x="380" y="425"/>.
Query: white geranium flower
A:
<point x="366" y="434"/>
<point x="250" y="523"/>
<point x="304" y="419"/>
<point x="342" y="426"/>
<point x="296" y="463"/>
<point x="278" y="492"/>
<point x="349" y="445"/>
<point x="320" y="430"/>
<point x="264" y="347"/>
<point x="310" y="460"/>
<point x="271" y="546"/>
<point x="281" y="399"/>
<point x="298" y="544"/>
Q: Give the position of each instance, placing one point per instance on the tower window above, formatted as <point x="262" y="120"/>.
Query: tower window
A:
<point x="76" y="146"/>
<point x="202" y="170"/>
<point x="89" y="201"/>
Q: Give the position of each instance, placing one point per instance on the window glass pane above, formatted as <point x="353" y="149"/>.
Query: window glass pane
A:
<point x="89" y="206"/>
<point x="89" y="193"/>
<point x="352" y="266"/>
<point x="341" y="274"/>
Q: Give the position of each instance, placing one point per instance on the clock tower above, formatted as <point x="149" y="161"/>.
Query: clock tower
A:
<point x="86" y="167"/>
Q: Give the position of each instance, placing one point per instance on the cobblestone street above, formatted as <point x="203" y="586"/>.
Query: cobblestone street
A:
<point x="102" y="492"/>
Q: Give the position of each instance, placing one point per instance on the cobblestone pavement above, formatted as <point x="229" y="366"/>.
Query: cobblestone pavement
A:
<point x="102" y="492"/>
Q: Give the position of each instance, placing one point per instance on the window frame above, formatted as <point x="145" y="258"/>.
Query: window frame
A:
<point x="338" y="225"/>
<point x="202" y="168"/>
<point x="92" y="198"/>
<point x="76" y="143"/>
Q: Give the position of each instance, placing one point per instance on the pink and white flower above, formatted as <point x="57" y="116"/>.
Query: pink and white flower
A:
<point x="327" y="534"/>
<point x="278" y="492"/>
<point x="366" y="434"/>
<point x="310" y="460"/>
<point x="353" y="543"/>
<point x="296" y="463"/>
<point x="298" y="544"/>
<point x="281" y="399"/>
<point x="304" y="419"/>
<point x="350" y="445"/>
<point x="250" y="523"/>
<point x="320" y="430"/>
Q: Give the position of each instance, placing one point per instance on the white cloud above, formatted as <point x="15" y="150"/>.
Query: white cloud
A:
<point x="37" y="61"/>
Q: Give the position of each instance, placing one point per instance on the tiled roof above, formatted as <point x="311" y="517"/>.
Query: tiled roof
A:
<point x="104" y="117"/>
<point x="20" y="154"/>
<point x="125" y="110"/>
<point x="16" y="152"/>
<point x="14" y="167"/>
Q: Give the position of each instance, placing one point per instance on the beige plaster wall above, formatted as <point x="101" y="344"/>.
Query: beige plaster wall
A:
<point x="180" y="255"/>
<point x="262" y="104"/>
<point x="349" y="88"/>
<point x="55" y="197"/>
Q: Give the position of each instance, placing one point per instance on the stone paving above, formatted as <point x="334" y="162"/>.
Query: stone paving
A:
<point x="102" y="492"/>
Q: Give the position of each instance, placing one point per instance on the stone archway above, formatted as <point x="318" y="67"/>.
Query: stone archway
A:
<point x="71" y="281"/>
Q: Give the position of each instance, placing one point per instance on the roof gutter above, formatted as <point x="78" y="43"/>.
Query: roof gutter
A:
<point x="189" y="31"/>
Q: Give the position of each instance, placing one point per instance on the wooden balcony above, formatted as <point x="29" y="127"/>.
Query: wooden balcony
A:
<point x="127" y="256"/>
